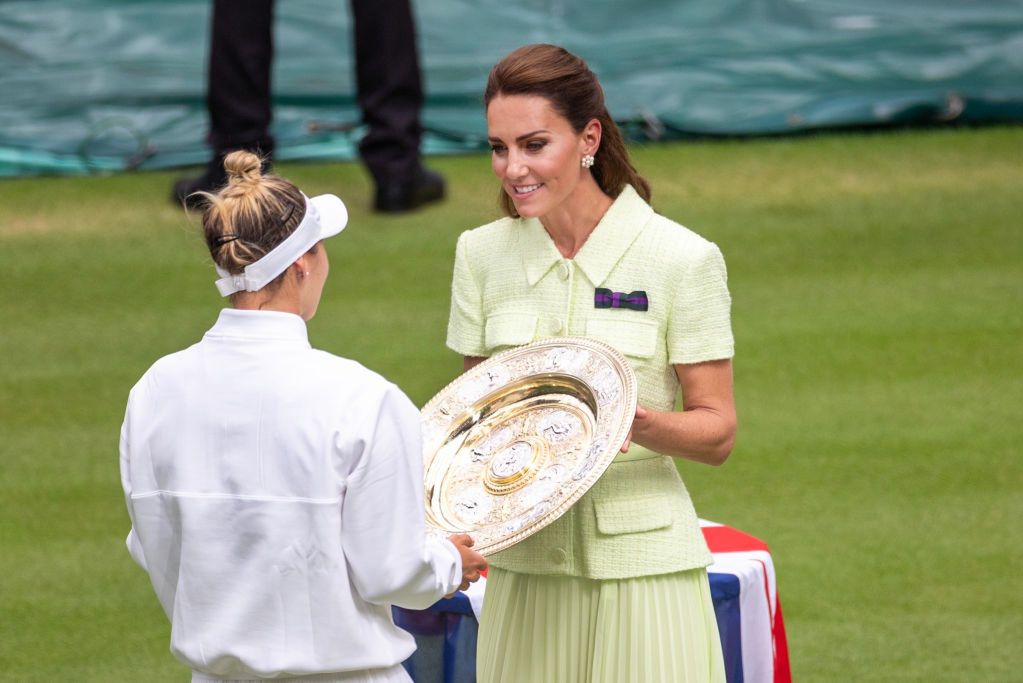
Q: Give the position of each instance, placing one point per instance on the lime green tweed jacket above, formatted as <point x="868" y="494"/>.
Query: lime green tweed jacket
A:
<point x="511" y="286"/>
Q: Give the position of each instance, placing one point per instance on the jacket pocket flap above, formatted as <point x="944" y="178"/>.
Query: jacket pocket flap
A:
<point x="632" y="515"/>
<point x="509" y="329"/>
<point x="636" y="338"/>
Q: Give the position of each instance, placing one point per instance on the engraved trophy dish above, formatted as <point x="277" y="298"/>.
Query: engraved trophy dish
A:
<point x="514" y="442"/>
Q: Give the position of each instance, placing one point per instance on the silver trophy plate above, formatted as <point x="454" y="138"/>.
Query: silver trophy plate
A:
<point x="514" y="442"/>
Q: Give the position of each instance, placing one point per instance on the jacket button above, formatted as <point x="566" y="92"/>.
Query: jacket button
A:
<point x="558" y="556"/>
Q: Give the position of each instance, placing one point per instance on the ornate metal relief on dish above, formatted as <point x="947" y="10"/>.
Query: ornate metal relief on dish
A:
<point x="514" y="442"/>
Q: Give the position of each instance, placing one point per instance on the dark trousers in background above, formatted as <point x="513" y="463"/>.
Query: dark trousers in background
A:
<point x="388" y="80"/>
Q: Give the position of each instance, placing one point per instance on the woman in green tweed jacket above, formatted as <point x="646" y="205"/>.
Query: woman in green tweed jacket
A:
<point x="616" y="589"/>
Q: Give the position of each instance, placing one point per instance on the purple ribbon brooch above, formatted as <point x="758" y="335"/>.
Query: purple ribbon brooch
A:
<point x="605" y="298"/>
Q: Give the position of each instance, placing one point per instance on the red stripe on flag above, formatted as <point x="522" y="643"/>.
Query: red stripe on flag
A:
<point x="782" y="668"/>
<point x="725" y="539"/>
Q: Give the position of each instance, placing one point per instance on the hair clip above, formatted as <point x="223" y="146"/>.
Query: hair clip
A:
<point x="287" y="214"/>
<point x="221" y="240"/>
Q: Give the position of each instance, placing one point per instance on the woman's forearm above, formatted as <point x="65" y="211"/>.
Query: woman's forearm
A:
<point x="702" y="434"/>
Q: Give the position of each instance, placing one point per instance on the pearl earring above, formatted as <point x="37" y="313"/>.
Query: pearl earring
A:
<point x="587" y="160"/>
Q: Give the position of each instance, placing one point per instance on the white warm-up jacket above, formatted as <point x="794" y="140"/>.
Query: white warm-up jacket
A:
<point x="276" y="501"/>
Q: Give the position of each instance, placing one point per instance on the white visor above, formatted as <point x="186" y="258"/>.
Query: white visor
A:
<point x="325" y="216"/>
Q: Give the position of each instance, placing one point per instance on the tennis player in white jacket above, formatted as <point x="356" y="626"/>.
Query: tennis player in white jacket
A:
<point x="276" y="491"/>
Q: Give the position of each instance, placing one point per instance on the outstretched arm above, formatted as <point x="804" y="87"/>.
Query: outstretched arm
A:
<point x="392" y="561"/>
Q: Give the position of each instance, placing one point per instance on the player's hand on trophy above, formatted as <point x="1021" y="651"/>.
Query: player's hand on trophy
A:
<point x="472" y="562"/>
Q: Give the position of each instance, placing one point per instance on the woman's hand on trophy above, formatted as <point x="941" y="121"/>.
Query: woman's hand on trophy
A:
<point x="642" y="415"/>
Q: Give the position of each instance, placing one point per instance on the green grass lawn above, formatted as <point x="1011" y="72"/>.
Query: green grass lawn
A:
<point x="878" y="311"/>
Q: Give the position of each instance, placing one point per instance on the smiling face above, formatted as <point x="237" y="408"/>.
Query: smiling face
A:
<point x="536" y="152"/>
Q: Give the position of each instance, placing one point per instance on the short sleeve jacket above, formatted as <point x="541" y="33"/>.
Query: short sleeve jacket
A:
<point x="654" y="290"/>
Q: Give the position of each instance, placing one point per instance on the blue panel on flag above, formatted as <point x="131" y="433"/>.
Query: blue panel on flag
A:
<point x="445" y="636"/>
<point x="724" y="591"/>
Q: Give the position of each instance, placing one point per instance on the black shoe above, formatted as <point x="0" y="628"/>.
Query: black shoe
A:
<point x="212" y="180"/>
<point x="395" y="197"/>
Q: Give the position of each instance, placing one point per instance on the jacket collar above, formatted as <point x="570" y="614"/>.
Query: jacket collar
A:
<point x="615" y="232"/>
<point x="259" y="325"/>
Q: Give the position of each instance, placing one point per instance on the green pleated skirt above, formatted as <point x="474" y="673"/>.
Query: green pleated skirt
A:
<point x="562" y="629"/>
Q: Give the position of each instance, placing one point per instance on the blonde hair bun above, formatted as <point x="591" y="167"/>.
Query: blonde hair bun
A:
<point x="243" y="166"/>
<point x="251" y="215"/>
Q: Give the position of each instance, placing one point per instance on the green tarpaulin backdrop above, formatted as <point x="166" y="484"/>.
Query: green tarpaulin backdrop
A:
<point x="104" y="85"/>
